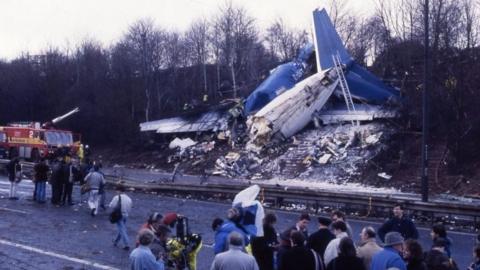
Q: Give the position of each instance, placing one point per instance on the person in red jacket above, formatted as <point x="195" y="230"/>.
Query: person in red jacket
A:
<point x="156" y="219"/>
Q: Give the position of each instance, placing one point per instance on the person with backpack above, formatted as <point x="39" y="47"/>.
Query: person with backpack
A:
<point x="122" y="204"/>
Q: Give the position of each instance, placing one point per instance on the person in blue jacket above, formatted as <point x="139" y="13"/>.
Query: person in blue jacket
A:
<point x="228" y="226"/>
<point x="390" y="257"/>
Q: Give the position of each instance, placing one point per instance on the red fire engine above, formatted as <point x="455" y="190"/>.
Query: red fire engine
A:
<point x="31" y="140"/>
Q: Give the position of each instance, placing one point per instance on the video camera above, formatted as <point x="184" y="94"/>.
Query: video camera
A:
<point x="184" y="247"/>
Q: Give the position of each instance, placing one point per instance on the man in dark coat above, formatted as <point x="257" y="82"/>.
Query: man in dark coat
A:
<point x="69" y="176"/>
<point x="398" y="223"/>
<point x="14" y="170"/>
<point x="56" y="181"/>
<point x="437" y="259"/>
<point x="263" y="247"/>
<point x="319" y="240"/>
<point x="301" y="225"/>
<point x="285" y="243"/>
<point x="41" y="176"/>
<point x="299" y="257"/>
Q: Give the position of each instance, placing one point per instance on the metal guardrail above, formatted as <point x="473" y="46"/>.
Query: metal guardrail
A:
<point x="305" y="195"/>
<point x="314" y="197"/>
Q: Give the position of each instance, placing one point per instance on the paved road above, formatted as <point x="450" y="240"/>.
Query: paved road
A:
<point x="34" y="236"/>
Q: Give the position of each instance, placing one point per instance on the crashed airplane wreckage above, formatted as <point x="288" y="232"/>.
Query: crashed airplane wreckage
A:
<point x="292" y="111"/>
<point x="291" y="96"/>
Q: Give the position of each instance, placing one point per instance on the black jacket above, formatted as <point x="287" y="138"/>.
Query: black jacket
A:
<point x="346" y="263"/>
<point x="41" y="172"/>
<point x="437" y="260"/>
<point x="11" y="170"/>
<point x="263" y="248"/>
<point x="416" y="265"/>
<point x="319" y="240"/>
<point x="402" y="225"/>
<point x="297" y="258"/>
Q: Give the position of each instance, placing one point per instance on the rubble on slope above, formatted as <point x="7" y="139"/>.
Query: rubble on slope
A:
<point x="334" y="153"/>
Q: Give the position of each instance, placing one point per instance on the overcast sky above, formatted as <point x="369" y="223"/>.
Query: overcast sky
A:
<point x="33" y="25"/>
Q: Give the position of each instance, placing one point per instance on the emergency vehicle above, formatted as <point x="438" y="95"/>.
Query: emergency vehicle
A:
<point x="31" y="140"/>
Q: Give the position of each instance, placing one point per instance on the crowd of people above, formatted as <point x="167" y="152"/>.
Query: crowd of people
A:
<point x="62" y="173"/>
<point x="331" y="247"/>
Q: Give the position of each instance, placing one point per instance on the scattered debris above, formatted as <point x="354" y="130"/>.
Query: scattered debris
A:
<point x="324" y="159"/>
<point x="384" y="175"/>
<point x="181" y="143"/>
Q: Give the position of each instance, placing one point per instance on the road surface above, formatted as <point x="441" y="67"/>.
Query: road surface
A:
<point x="43" y="236"/>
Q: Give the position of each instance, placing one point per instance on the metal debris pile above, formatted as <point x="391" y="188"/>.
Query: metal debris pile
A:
<point x="334" y="153"/>
<point x="188" y="149"/>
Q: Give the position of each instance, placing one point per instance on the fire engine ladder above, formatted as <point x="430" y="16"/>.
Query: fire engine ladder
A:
<point x="344" y="85"/>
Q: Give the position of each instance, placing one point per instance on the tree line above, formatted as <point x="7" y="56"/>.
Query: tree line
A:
<point x="151" y="72"/>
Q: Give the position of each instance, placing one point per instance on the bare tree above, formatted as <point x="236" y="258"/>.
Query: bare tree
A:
<point x="284" y="42"/>
<point x="235" y="35"/>
<point x="343" y="18"/>
<point x="197" y="43"/>
<point x="470" y="22"/>
<point x="146" y="41"/>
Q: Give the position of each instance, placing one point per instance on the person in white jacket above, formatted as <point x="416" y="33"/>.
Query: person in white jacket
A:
<point x="340" y="231"/>
<point x="125" y="203"/>
<point x="94" y="180"/>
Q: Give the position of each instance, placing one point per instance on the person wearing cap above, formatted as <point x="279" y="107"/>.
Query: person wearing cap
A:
<point x="437" y="259"/>
<point x="368" y="246"/>
<point x="399" y="223"/>
<point x="390" y="257"/>
<point x="142" y="257"/>
<point x="153" y="220"/>
<point x="319" y="240"/>
<point x="234" y="258"/>
<point x="340" y="231"/>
